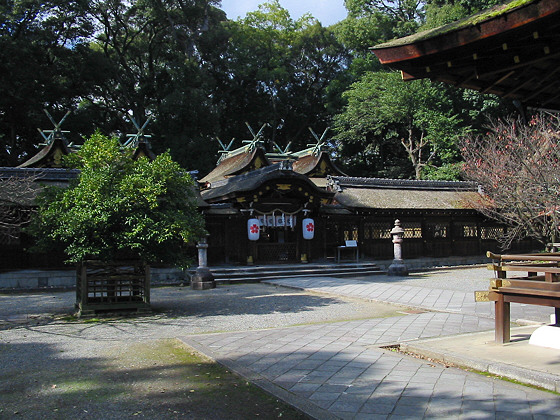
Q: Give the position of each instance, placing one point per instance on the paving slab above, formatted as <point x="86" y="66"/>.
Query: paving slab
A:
<point x="361" y="380"/>
<point x="518" y="360"/>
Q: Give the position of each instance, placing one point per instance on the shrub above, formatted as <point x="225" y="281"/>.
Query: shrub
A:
<point x="118" y="205"/>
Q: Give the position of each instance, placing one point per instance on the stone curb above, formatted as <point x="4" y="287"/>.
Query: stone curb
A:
<point x="299" y="403"/>
<point x="426" y="349"/>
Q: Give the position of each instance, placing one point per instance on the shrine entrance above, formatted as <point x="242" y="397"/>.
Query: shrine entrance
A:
<point x="277" y="245"/>
<point x="279" y="239"/>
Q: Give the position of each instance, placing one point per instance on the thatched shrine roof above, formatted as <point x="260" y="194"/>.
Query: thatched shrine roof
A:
<point x="375" y="193"/>
<point x="237" y="164"/>
<point x="241" y="185"/>
<point x="316" y="165"/>
<point x="49" y="156"/>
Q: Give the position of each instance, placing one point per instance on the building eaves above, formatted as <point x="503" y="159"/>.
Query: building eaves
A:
<point x="337" y="182"/>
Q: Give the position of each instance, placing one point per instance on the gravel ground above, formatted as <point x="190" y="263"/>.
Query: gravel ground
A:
<point x="185" y="311"/>
<point x="54" y="366"/>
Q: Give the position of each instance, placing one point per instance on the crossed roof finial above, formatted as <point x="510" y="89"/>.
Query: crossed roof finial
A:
<point x="257" y="137"/>
<point x="320" y="145"/>
<point x="135" y="139"/>
<point x="57" y="132"/>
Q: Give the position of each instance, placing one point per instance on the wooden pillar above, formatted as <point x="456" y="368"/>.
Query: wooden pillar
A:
<point x="502" y="320"/>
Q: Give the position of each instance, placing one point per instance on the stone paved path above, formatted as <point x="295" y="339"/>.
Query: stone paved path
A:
<point x="345" y="369"/>
<point x="385" y="289"/>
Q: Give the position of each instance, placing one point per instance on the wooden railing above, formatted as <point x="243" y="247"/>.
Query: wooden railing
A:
<point x="541" y="286"/>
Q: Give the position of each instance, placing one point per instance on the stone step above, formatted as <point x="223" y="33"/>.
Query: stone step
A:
<point x="257" y="274"/>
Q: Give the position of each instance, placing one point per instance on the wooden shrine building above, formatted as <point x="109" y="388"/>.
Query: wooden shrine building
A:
<point x="282" y="190"/>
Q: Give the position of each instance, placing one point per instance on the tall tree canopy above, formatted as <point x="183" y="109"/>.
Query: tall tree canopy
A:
<point x="44" y="62"/>
<point x="388" y="127"/>
<point x="277" y="70"/>
<point x="393" y="121"/>
<point x="198" y="75"/>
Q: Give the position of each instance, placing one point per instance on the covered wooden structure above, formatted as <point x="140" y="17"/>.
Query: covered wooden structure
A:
<point x="437" y="216"/>
<point x="45" y="168"/>
<point x="512" y="50"/>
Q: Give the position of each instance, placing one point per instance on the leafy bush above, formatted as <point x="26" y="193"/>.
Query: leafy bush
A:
<point x="121" y="206"/>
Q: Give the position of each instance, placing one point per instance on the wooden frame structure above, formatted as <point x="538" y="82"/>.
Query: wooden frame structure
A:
<point x="112" y="286"/>
<point x="512" y="50"/>
<point x="541" y="286"/>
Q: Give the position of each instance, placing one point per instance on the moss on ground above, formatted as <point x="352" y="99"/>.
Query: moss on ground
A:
<point x="154" y="379"/>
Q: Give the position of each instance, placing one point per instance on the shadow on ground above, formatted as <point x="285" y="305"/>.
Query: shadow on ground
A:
<point x="157" y="380"/>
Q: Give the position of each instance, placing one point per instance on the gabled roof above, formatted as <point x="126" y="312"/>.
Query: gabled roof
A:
<point x="237" y="164"/>
<point x="234" y="186"/>
<point x="512" y="50"/>
<point x="375" y="193"/>
<point x="316" y="165"/>
<point x="50" y="156"/>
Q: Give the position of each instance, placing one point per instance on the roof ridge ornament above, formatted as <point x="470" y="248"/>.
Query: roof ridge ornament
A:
<point x="320" y="145"/>
<point x="225" y="149"/>
<point x="285" y="151"/>
<point x="57" y="132"/>
<point x="258" y="140"/>
<point x="135" y="139"/>
<point x="249" y="145"/>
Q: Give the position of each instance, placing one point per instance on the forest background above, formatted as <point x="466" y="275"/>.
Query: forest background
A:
<point x="200" y="76"/>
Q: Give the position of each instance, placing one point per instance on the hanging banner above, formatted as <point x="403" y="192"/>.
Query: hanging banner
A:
<point x="262" y="220"/>
<point x="308" y="226"/>
<point x="253" y="229"/>
<point x="291" y="221"/>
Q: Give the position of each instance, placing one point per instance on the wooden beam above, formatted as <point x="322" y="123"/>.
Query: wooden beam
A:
<point x="525" y="257"/>
<point x="502" y="321"/>
<point x="492" y="67"/>
<point x="500" y="80"/>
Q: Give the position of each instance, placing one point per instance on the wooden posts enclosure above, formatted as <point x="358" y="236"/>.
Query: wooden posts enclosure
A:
<point x="115" y="286"/>
<point x="541" y="286"/>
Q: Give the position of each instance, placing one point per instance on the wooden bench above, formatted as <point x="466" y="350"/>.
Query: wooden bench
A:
<point x="541" y="286"/>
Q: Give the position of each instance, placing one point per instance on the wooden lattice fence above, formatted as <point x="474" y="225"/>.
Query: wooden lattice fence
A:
<point x="109" y="287"/>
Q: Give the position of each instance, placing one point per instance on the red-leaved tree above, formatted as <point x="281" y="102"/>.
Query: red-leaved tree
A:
<point x="517" y="166"/>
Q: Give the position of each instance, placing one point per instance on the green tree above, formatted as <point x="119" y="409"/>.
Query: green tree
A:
<point x="391" y="120"/>
<point x="44" y="62"/>
<point x="441" y="12"/>
<point x="139" y="207"/>
<point x="276" y="70"/>
<point x="154" y="53"/>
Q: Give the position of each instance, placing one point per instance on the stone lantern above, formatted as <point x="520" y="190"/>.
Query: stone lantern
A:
<point x="397" y="268"/>
<point x="202" y="279"/>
